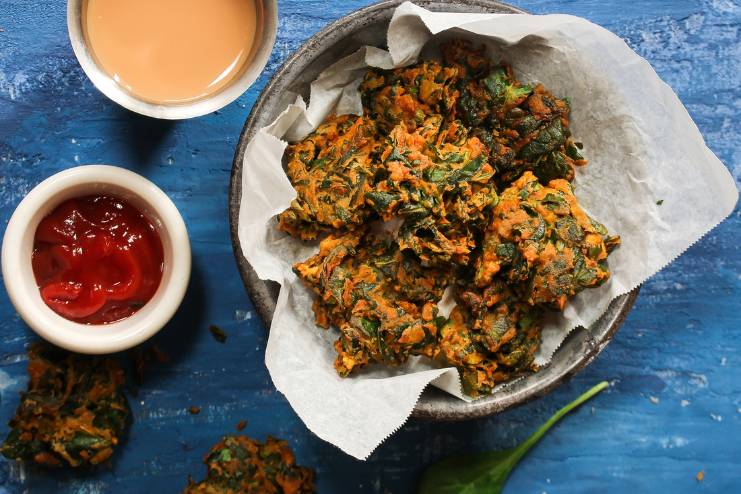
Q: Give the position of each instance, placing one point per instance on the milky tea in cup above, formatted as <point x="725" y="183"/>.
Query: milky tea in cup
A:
<point x="172" y="51"/>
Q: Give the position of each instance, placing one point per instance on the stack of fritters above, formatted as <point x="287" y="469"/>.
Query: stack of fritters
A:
<point x="474" y="169"/>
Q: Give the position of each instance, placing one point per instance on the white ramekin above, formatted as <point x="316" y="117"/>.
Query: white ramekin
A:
<point x="176" y="111"/>
<point x="18" y="248"/>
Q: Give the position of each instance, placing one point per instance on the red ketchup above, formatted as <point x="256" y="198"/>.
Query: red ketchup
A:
<point x="97" y="259"/>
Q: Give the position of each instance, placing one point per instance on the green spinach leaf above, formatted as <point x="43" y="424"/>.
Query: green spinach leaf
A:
<point x="487" y="472"/>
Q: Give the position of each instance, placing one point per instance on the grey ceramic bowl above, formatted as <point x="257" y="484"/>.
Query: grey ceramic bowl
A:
<point x="368" y="27"/>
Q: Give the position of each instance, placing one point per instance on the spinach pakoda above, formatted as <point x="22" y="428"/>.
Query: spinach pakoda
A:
<point x="240" y="465"/>
<point x="332" y="170"/>
<point x="493" y="348"/>
<point x="73" y="413"/>
<point x="382" y="300"/>
<point x="457" y="176"/>
<point x="540" y="237"/>
<point x="437" y="180"/>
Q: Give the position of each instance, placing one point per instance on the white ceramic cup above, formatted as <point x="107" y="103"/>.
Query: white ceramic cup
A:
<point x="17" y="252"/>
<point x="176" y="111"/>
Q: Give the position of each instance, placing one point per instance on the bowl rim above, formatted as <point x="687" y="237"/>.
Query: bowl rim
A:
<point x="21" y="286"/>
<point x="264" y="293"/>
<point x="179" y="111"/>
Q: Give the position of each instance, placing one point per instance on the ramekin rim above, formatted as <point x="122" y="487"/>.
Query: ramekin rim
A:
<point x="181" y="111"/>
<point x="95" y="339"/>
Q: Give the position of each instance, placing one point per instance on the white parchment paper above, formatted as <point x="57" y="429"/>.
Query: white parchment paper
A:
<point x="642" y="148"/>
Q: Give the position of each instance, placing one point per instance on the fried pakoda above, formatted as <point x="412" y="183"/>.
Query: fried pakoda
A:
<point x="473" y="168"/>
<point x="437" y="180"/>
<point x="382" y="300"/>
<point x="502" y="347"/>
<point x="524" y="127"/>
<point x="240" y="465"/>
<point x="540" y="237"/>
<point x="409" y="95"/>
<point x="331" y="170"/>
<point x="73" y="413"/>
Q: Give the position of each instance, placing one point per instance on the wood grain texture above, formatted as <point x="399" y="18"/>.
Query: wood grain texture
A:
<point x="675" y="405"/>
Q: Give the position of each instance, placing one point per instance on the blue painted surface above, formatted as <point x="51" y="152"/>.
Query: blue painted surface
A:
<point x="675" y="405"/>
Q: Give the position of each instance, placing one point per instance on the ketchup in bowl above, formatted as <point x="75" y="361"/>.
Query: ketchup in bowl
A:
<point x="97" y="259"/>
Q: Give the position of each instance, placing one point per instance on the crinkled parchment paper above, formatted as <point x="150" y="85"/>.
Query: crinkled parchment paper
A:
<point x="642" y="148"/>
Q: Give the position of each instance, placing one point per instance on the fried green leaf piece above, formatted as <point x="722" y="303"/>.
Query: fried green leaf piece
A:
<point x="486" y="473"/>
<point x="331" y="170"/>
<point x="240" y="465"/>
<point x="382" y="301"/>
<point x="73" y="413"/>
<point x="504" y="89"/>
<point x="540" y="236"/>
<point x="436" y="244"/>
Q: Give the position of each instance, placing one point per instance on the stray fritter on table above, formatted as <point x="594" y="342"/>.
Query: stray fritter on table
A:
<point x="240" y="465"/>
<point x="469" y="173"/>
<point x="74" y="412"/>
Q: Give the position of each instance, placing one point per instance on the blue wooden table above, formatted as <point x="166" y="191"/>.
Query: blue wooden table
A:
<point x="674" y="408"/>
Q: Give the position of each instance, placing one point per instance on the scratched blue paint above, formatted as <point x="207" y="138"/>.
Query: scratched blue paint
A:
<point x="675" y="405"/>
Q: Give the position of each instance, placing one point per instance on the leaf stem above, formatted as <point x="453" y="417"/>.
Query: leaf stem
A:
<point x="523" y="448"/>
